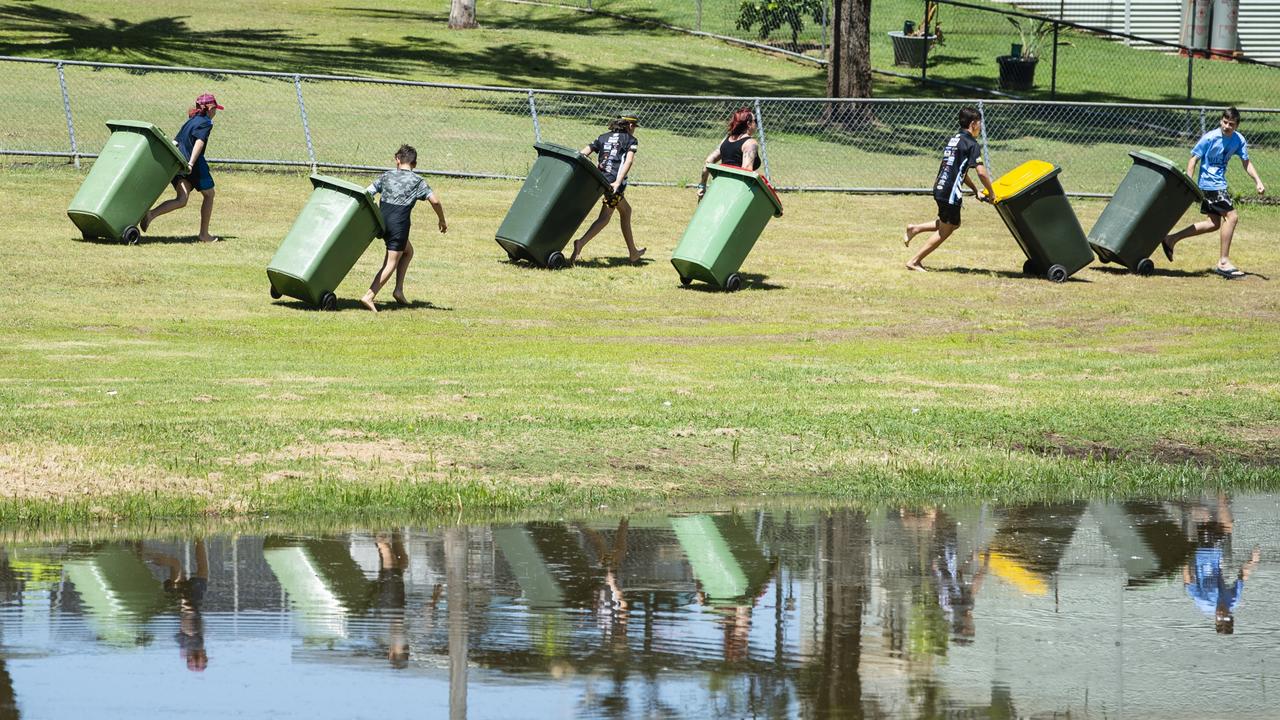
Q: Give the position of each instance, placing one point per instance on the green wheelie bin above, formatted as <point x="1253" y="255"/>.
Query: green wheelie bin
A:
<point x="1033" y="206"/>
<point x="733" y="212"/>
<point x="331" y="233"/>
<point x="135" y="166"/>
<point x="556" y="197"/>
<point x="1149" y="202"/>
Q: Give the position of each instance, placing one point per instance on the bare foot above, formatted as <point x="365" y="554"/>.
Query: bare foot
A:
<point x="906" y="237"/>
<point x="146" y="222"/>
<point x="577" y="250"/>
<point x="916" y="267"/>
<point x="367" y="301"/>
<point x="635" y="259"/>
<point x="209" y="239"/>
<point x="399" y="296"/>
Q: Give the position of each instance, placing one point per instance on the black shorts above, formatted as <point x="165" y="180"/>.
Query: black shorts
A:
<point x="1216" y="202"/>
<point x="396" y="218"/>
<point x="948" y="213"/>
<point x="612" y="200"/>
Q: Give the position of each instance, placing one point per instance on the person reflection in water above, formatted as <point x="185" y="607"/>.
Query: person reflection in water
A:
<point x="390" y="595"/>
<point x="1203" y="576"/>
<point x="189" y="589"/>
<point x="957" y="580"/>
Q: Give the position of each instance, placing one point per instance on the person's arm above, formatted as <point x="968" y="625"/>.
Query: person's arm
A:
<point x="749" y="150"/>
<point x="1252" y="169"/>
<point x="714" y="157"/>
<point x="1247" y="569"/>
<point x="435" y="205"/>
<point x="985" y="177"/>
<point x="586" y="151"/>
<point x="1191" y="166"/>
<point x="196" y="151"/>
<point x="626" y="168"/>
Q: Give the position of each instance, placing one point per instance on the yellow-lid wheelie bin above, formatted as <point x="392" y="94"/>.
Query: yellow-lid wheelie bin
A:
<point x="331" y="233"/>
<point x="1147" y="204"/>
<point x="735" y="209"/>
<point x="1033" y="206"/>
<point x="561" y="189"/>
<point x="134" y="168"/>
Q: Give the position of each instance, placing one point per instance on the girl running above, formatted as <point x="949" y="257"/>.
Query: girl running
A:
<point x="616" y="150"/>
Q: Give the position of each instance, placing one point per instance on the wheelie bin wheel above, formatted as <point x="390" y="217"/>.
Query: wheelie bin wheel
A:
<point x="328" y="301"/>
<point x="275" y="294"/>
<point x="1057" y="273"/>
<point x="555" y="260"/>
<point x="733" y="283"/>
<point x="1145" y="267"/>
<point x="685" y="280"/>
<point x="131" y="235"/>
<point x="511" y="256"/>
<point x="1029" y="267"/>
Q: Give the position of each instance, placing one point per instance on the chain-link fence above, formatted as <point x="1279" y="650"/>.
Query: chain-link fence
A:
<point x="59" y="109"/>
<point x="1074" y="61"/>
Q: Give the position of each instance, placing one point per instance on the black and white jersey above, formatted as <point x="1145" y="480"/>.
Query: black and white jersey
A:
<point x="612" y="149"/>
<point x="959" y="156"/>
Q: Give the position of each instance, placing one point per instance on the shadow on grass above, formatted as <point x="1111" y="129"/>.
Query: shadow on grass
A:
<point x="354" y="304"/>
<point x="750" y="281"/>
<point x="1158" y="272"/>
<point x="1010" y="274"/>
<point x="155" y="240"/>
<point x="613" y="262"/>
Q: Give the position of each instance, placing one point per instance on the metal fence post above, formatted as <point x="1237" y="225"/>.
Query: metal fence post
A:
<point x="1202" y="122"/>
<point x="306" y="126"/>
<point x="698" y="20"/>
<point x="1191" y="59"/>
<point x="533" y="113"/>
<point x="825" y="5"/>
<point x="986" y="150"/>
<point x="764" y="148"/>
<point x="1053" y="82"/>
<point x="66" y="107"/>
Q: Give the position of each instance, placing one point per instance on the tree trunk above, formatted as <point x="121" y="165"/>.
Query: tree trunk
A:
<point x="849" y="70"/>
<point x="462" y="15"/>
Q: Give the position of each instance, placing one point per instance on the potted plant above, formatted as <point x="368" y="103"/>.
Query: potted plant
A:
<point x="911" y="45"/>
<point x="1018" y="68"/>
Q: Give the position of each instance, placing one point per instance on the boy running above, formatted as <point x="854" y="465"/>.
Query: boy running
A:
<point x="1213" y="152"/>
<point x="960" y="154"/>
<point x="401" y="189"/>
<point x="616" y="150"/>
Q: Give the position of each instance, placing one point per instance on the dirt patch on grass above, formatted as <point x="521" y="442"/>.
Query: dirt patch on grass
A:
<point x="1163" y="450"/>
<point x="59" y="472"/>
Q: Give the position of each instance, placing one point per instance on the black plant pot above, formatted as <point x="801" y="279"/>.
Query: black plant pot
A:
<point x="1017" y="73"/>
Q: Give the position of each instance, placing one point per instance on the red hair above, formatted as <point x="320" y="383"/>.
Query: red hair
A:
<point x="199" y="110"/>
<point x="742" y="117"/>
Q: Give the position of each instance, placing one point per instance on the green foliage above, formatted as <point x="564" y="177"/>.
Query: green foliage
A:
<point x="1033" y="34"/>
<point x="769" y="16"/>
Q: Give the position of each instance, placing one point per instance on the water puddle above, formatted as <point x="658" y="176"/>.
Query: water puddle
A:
<point x="1085" y="609"/>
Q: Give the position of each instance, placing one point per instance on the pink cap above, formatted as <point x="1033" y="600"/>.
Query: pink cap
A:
<point x="209" y="99"/>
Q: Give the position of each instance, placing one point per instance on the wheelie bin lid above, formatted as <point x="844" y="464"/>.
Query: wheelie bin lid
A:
<point x="147" y="128"/>
<point x="545" y="148"/>
<point x="1164" y="163"/>
<point x="717" y="170"/>
<point x="1023" y="178"/>
<point x="347" y="188"/>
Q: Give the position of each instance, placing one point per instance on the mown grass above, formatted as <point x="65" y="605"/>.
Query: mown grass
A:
<point x="160" y="380"/>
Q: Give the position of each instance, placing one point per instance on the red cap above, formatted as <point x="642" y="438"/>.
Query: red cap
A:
<point x="209" y="99"/>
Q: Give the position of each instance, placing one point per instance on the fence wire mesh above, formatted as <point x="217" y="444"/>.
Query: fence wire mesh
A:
<point x="878" y="145"/>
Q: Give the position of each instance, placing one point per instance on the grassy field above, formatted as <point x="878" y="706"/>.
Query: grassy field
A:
<point x="161" y="380"/>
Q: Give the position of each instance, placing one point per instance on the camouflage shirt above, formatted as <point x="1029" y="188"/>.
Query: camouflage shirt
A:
<point x="400" y="187"/>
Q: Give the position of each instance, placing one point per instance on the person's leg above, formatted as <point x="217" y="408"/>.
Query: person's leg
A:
<point x="183" y="188"/>
<point x="917" y="228"/>
<point x="402" y="267"/>
<point x="624" y="218"/>
<point x="386" y="273"/>
<point x="606" y="213"/>
<point x="1227" y="231"/>
<point x="937" y="238"/>
<point x="206" y="212"/>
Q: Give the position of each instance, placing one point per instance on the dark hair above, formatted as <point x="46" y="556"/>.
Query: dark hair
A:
<point x="967" y="117"/>
<point x="742" y="117"/>
<point x="1231" y="113"/>
<point x="407" y="154"/>
<point x="620" y="125"/>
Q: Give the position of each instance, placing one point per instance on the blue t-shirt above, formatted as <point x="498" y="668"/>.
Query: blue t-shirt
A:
<point x="1208" y="588"/>
<point x="1214" y="151"/>
<point x="195" y="128"/>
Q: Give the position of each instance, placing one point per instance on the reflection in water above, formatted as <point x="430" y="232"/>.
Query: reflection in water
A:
<point x="1076" y="608"/>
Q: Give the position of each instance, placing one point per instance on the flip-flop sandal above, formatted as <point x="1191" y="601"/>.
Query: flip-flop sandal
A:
<point x="1168" y="250"/>
<point x="1230" y="273"/>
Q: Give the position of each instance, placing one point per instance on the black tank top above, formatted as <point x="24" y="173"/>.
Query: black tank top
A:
<point x="731" y="152"/>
